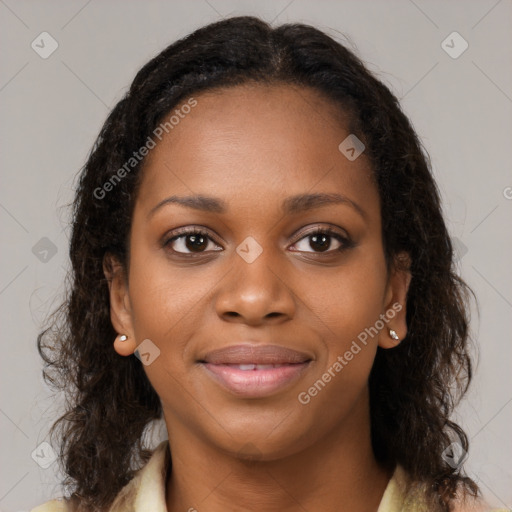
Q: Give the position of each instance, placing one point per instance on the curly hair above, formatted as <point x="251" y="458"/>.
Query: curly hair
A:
<point x="413" y="387"/>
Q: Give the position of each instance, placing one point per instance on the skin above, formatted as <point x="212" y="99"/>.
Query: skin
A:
<point x="253" y="146"/>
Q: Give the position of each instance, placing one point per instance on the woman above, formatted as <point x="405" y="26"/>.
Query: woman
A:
<point x="257" y="224"/>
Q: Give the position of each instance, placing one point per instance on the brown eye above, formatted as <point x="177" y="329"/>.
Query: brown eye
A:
<point x="321" y="240"/>
<point x="190" y="242"/>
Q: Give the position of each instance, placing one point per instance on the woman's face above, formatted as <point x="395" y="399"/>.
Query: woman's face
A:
<point x="266" y="325"/>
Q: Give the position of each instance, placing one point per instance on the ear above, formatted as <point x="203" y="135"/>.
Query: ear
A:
<point x="120" y="308"/>
<point x="395" y="302"/>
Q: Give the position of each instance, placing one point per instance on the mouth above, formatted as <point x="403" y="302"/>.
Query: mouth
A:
<point x="251" y="371"/>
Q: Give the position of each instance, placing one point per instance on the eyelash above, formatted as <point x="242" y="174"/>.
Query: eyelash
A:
<point x="345" y="241"/>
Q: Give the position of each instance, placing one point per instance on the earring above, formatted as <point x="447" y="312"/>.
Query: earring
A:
<point x="393" y="334"/>
<point x="122" y="337"/>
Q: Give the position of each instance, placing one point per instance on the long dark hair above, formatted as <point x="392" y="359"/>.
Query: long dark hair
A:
<point x="413" y="388"/>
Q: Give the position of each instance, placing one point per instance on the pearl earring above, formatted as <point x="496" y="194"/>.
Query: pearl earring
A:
<point x="122" y="337"/>
<point x="393" y="334"/>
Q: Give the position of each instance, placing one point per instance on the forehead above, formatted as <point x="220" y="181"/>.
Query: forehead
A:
<point x="255" y="142"/>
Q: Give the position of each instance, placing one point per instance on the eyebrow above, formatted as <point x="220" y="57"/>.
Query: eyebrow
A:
<point x="291" y="205"/>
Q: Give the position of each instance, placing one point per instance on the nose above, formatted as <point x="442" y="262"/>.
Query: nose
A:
<point x="255" y="293"/>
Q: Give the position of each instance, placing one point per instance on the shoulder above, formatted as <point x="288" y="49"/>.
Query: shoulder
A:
<point x="53" y="506"/>
<point x="401" y="495"/>
<point x="480" y="507"/>
<point x="477" y="506"/>
<point x="474" y="504"/>
<point x="146" y="488"/>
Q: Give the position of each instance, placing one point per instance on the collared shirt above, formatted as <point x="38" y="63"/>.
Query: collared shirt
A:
<point x="146" y="491"/>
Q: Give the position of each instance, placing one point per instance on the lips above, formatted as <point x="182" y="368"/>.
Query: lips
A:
<point x="255" y="371"/>
<point x="256" y="355"/>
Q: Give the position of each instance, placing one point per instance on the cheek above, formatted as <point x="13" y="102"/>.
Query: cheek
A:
<point x="161" y="296"/>
<point x="348" y="315"/>
<point x="168" y="305"/>
<point x="346" y="308"/>
<point x="161" y="308"/>
<point x="345" y="301"/>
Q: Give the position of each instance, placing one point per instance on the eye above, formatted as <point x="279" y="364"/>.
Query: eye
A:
<point x="191" y="241"/>
<point x="321" y="240"/>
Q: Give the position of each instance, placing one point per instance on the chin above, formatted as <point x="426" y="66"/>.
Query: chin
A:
<point x="263" y="441"/>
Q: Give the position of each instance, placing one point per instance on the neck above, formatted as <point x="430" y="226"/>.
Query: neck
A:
<point x="338" y="473"/>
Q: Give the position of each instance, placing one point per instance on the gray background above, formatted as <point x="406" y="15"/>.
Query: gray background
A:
<point x="52" y="109"/>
